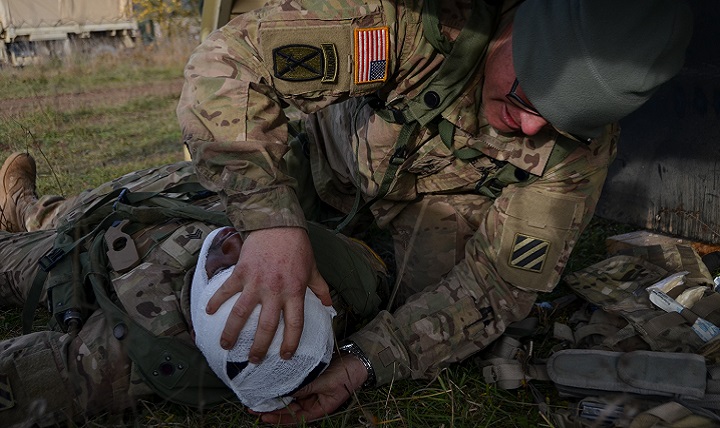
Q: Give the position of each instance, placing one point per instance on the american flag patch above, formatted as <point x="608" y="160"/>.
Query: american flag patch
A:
<point x="371" y="54"/>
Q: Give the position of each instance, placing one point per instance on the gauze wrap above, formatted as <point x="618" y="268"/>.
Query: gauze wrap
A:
<point x="261" y="387"/>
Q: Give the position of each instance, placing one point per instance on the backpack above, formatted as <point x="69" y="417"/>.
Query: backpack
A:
<point x="620" y="359"/>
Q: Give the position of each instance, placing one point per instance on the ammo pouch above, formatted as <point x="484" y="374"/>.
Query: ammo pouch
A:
<point x="635" y="389"/>
<point x="583" y="372"/>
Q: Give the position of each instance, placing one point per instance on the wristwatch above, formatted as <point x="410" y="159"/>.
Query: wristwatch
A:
<point x="352" y="349"/>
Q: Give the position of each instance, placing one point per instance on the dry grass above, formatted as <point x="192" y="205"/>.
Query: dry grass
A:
<point x="161" y="61"/>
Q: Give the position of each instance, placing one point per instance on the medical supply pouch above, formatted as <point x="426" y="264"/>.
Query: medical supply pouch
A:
<point x="624" y="358"/>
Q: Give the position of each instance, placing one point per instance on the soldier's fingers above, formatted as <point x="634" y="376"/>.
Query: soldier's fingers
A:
<point x="296" y="412"/>
<point x="229" y="288"/>
<point x="239" y="314"/>
<point x="267" y="326"/>
<point x="294" y="318"/>
<point x="319" y="286"/>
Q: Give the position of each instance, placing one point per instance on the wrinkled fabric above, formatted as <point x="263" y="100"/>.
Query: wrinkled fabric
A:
<point x="463" y="273"/>
<point x="91" y="373"/>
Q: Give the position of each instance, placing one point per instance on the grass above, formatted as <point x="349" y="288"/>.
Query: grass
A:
<point x="150" y="64"/>
<point x="78" y="149"/>
<point x="83" y="148"/>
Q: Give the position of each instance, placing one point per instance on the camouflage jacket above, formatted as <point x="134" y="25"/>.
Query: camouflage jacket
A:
<point x="231" y="109"/>
<point x="156" y="291"/>
<point x="231" y="113"/>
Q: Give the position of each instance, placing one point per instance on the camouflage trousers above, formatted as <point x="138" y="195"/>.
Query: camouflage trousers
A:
<point x="50" y="376"/>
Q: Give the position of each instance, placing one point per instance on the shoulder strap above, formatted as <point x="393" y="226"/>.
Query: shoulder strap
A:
<point x="493" y="185"/>
<point x="176" y="370"/>
<point x="461" y="63"/>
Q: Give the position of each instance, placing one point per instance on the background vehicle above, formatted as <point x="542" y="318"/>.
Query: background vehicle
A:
<point x="32" y="29"/>
<point x="666" y="177"/>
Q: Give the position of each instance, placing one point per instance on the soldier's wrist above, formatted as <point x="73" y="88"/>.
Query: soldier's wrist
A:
<point x="351" y="348"/>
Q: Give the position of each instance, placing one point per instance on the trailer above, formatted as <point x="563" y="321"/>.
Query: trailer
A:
<point x="34" y="29"/>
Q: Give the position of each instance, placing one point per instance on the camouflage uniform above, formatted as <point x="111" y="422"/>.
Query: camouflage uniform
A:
<point x="55" y="376"/>
<point x="459" y="254"/>
<point x="51" y="376"/>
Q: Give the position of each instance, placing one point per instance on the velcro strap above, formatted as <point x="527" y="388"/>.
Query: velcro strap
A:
<point x="661" y="323"/>
<point x="707" y="305"/>
<point x="511" y="374"/>
<point x="563" y="332"/>
<point x="668" y="413"/>
<point x="505" y="348"/>
<point x="604" y="330"/>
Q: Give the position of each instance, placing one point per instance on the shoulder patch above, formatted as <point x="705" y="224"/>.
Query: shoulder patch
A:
<point x="300" y="63"/>
<point x="313" y="59"/>
<point x="371" y="54"/>
<point x="529" y="253"/>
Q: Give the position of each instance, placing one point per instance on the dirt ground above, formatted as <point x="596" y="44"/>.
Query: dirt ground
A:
<point x="71" y="101"/>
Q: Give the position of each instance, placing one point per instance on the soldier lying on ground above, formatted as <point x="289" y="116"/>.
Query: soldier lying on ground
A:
<point x="479" y="133"/>
<point x="96" y="359"/>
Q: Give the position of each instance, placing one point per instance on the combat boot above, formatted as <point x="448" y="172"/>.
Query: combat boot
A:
<point x="17" y="191"/>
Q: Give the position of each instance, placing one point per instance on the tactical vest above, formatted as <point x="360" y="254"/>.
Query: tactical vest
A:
<point x="628" y="361"/>
<point x="75" y="273"/>
<point x="463" y="58"/>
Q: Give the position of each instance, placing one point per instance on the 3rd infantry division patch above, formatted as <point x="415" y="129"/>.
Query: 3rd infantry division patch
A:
<point x="529" y="253"/>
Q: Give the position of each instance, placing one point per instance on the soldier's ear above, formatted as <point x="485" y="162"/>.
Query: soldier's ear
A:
<point x="232" y="245"/>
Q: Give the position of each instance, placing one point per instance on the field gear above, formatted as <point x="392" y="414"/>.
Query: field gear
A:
<point x="71" y="302"/>
<point x="625" y="358"/>
<point x="122" y="325"/>
<point x="579" y="76"/>
<point x="463" y="57"/>
<point x="17" y="178"/>
<point x="265" y="386"/>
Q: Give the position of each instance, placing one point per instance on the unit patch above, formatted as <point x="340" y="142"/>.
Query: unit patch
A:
<point x="330" y="71"/>
<point x="300" y="63"/>
<point x="371" y="54"/>
<point x="529" y="253"/>
<point x="7" y="400"/>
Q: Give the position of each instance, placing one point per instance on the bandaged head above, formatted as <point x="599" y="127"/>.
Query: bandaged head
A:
<point x="266" y="386"/>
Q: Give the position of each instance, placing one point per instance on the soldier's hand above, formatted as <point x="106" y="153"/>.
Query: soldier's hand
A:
<point x="324" y="395"/>
<point x="275" y="267"/>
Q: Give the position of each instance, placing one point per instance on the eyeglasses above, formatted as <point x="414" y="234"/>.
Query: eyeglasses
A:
<point x="519" y="102"/>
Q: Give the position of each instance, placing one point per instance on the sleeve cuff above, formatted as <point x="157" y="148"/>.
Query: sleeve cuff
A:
<point x="385" y="351"/>
<point x="264" y="209"/>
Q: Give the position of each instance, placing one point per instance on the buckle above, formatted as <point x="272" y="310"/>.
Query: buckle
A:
<point x="398" y="116"/>
<point x="51" y="259"/>
<point x="399" y="156"/>
<point x="122" y="198"/>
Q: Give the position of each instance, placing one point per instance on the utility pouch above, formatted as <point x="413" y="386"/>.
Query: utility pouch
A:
<point x="580" y="372"/>
<point x="67" y="296"/>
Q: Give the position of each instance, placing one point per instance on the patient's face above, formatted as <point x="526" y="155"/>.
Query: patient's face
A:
<point x="224" y="251"/>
